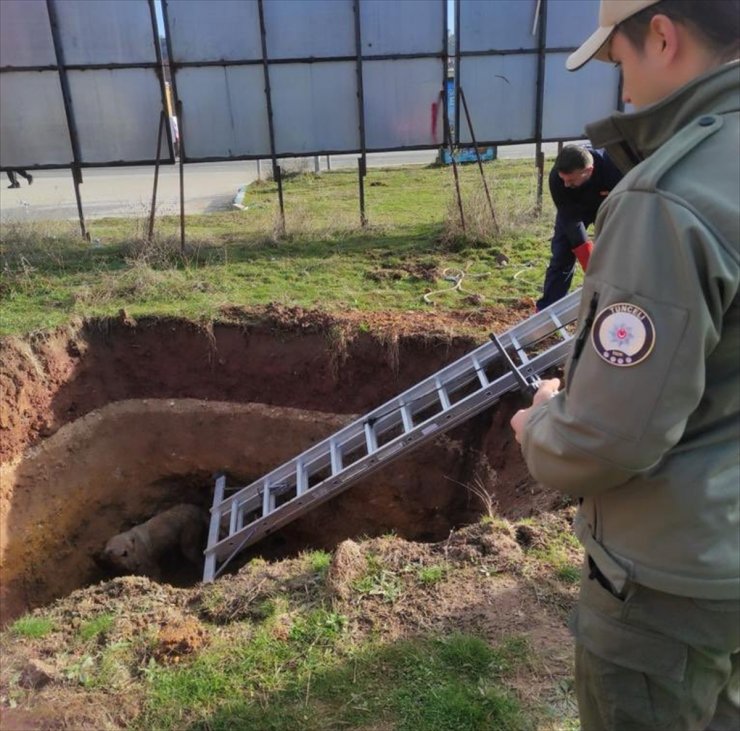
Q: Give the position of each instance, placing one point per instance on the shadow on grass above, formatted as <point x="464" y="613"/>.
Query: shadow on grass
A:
<point x="418" y="684"/>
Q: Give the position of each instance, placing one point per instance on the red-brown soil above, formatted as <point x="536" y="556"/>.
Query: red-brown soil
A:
<point x="104" y="423"/>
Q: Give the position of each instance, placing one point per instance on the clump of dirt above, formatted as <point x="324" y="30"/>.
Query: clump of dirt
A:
<point x="346" y="567"/>
<point x="177" y="639"/>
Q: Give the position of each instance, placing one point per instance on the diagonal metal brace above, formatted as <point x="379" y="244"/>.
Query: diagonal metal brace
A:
<point x="527" y="385"/>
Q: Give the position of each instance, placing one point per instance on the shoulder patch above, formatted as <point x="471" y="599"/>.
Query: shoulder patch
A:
<point x="623" y="334"/>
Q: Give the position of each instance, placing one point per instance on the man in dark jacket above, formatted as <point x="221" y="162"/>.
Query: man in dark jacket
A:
<point x="646" y="432"/>
<point x="580" y="180"/>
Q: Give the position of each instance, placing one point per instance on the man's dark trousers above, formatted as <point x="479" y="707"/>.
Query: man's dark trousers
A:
<point x="559" y="272"/>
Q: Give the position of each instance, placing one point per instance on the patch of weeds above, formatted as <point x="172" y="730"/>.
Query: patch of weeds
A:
<point x="270" y="609"/>
<point x="562" y="553"/>
<point x="569" y="573"/>
<point x="515" y="652"/>
<point x="431" y="575"/>
<point x="318" y="626"/>
<point x="80" y="671"/>
<point x="32" y="627"/>
<point x="379" y="581"/>
<point x="213" y="600"/>
<point x="114" y="664"/>
<point x="97" y="626"/>
<point x="319" y="561"/>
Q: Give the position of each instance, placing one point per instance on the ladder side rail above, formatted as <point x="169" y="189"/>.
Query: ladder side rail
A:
<point x="459" y="413"/>
<point x="541" y="324"/>
<point x="209" y="568"/>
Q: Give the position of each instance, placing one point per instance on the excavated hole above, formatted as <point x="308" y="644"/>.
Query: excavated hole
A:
<point x="107" y="423"/>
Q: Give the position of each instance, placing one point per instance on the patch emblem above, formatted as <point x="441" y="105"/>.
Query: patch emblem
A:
<point x="623" y="334"/>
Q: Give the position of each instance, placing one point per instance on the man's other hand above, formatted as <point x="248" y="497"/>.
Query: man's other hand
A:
<point x="545" y="392"/>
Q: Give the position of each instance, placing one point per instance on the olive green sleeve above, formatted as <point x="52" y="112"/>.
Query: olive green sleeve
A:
<point x="616" y="419"/>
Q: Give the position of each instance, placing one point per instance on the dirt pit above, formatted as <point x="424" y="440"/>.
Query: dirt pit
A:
<point x="105" y="423"/>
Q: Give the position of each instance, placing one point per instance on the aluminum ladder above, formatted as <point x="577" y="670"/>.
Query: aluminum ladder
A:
<point x="431" y="407"/>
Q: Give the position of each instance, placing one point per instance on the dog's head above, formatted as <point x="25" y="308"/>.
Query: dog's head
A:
<point x="122" y="554"/>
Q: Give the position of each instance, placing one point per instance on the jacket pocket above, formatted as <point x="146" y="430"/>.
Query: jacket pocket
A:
<point x="628" y="646"/>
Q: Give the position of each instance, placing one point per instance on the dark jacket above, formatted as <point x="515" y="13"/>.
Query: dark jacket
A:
<point x="580" y="205"/>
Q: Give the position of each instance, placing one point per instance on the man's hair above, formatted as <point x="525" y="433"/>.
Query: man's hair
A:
<point x="573" y="157"/>
<point x="716" y="23"/>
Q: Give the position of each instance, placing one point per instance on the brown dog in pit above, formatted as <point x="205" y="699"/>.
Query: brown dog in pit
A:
<point x="142" y="549"/>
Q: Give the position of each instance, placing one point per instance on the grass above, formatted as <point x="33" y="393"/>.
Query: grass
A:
<point x="93" y="628"/>
<point x="313" y="679"/>
<point x="379" y="581"/>
<point x="32" y="627"/>
<point x="326" y="259"/>
<point x="431" y="575"/>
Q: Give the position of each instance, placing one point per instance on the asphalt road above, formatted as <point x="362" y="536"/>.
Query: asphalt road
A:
<point x="127" y="191"/>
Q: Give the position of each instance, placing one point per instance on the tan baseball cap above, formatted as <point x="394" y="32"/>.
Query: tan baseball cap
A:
<point x="611" y="14"/>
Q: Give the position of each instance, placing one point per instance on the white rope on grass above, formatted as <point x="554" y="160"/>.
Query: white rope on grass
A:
<point x="452" y="274"/>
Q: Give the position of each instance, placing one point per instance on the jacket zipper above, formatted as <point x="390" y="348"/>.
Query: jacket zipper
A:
<point x="583" y="335"/>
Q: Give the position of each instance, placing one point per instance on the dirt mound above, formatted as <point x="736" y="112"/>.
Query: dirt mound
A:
<point x="479" y="580"/>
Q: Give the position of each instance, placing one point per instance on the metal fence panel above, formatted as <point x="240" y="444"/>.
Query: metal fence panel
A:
<point x="217" y="30"/>
<point x="402" y="26"/>
<point x="570" y="22"/>
<point x="25" y="34"/>
<point x="32" y="120"/>
<point x="498" y="25"/>
<point x="574" y="99"/>
<point x="300" y="29"/>
<point x="117" y="114"/>
<point x="315" y="107"/>
<point x="224" y="112"/>
<point x="402" y="103"/>
<point x="501" y="95"/>
<point x="105" y="32"/>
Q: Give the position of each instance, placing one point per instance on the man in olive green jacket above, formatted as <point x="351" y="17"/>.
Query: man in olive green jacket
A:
<point x="647" y="431"/>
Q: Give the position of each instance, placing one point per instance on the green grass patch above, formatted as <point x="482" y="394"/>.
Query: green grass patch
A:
<point x="378" y="581"/>
<point x="314" y="679"/>
<point x="319" y="561"/>
<point x="32" y="627"/>
<point x="563" y="553"/>
<point x="431" y="574"/>
<point x="100" y="625"/>
<point x="325" y="260"/>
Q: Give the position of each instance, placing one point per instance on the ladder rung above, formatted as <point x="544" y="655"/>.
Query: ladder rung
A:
<point x="519" y="350"/>
<point x="301" y="478"/>
<point x="336" y="457"/>
<point x="559" y="326"/>
<point x="482" y="377"/>
<point x="268" y="499"/>
<point x="444" y="399"/>
<point x="408" y="422"/>
<point x="370" y="439"/>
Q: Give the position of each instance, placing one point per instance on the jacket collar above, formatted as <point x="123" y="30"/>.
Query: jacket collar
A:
<point x="630" y="138"/>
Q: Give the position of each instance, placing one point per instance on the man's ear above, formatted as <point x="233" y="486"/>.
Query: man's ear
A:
<point x="662" y="42"/>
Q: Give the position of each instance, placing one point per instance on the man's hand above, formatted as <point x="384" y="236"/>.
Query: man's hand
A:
<point x="545" y="392"/>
